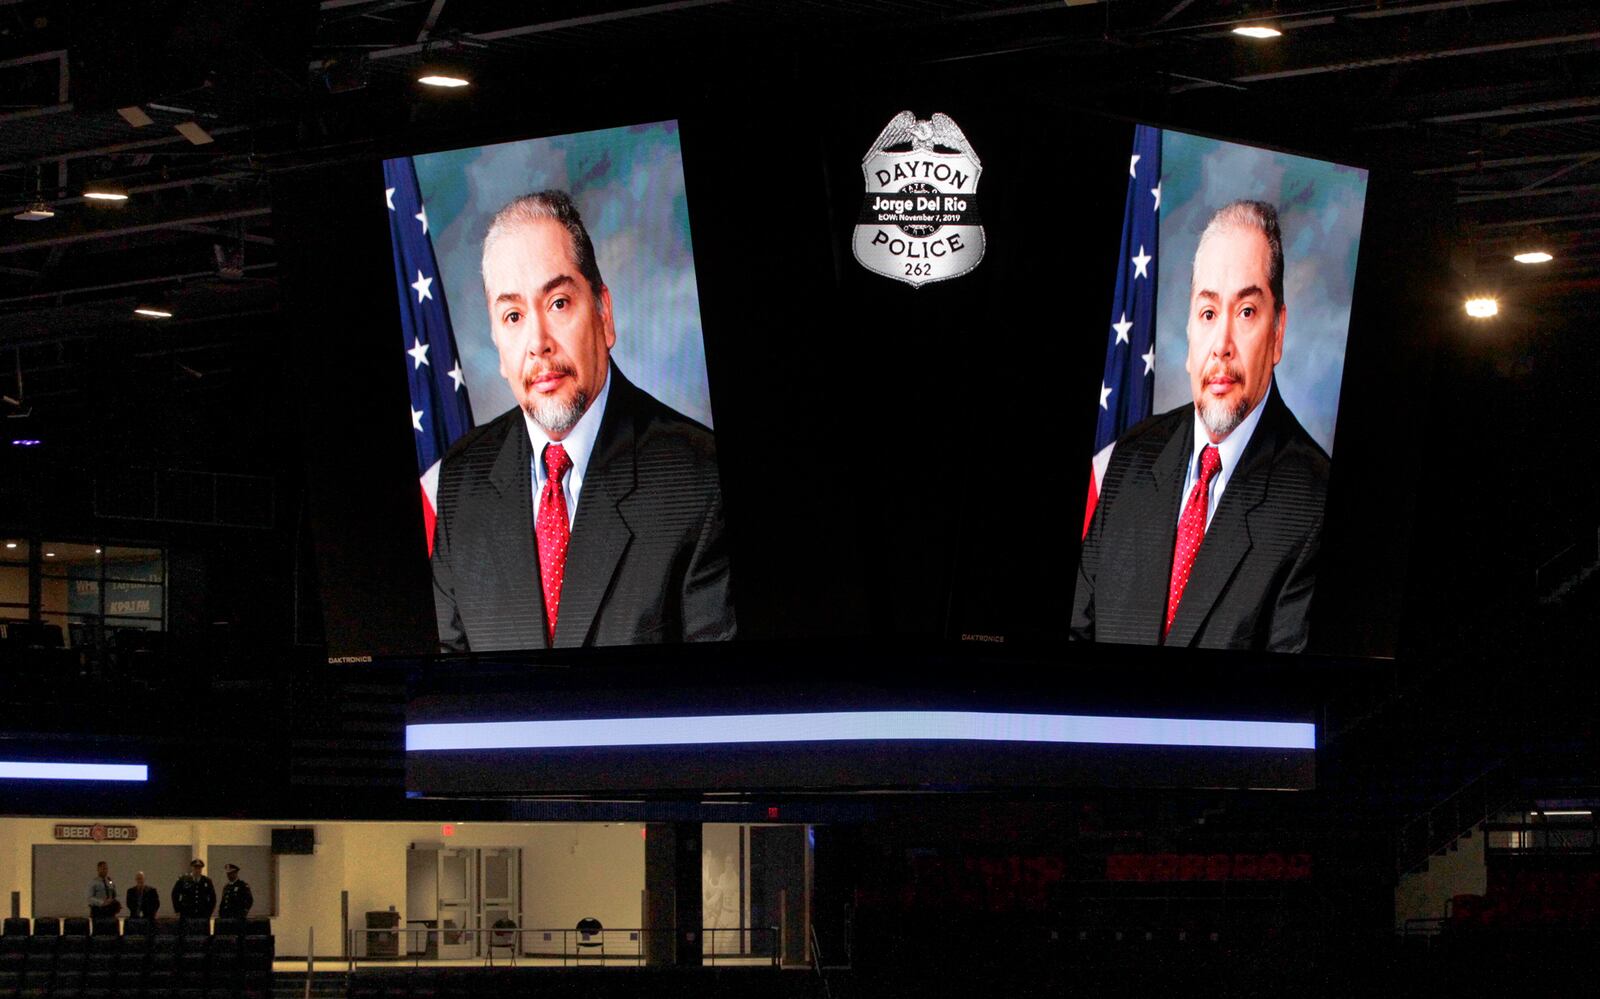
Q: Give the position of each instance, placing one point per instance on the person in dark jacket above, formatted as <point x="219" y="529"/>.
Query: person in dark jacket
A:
<point x="236" y="897"/>
<point x="143" y="901"/>
<point x="194" y="896"/>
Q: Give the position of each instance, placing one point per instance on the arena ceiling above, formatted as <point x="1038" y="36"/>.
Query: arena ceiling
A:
<point x="1497" y="99"/>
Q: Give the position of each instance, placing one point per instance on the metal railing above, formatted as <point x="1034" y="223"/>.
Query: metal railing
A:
<point x="631" y="946"/>
<point x="1435" y="829"/>
<point x="816" y="962"/>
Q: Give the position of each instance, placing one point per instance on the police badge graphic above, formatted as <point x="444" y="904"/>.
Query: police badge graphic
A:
<point x="919" y="220"/>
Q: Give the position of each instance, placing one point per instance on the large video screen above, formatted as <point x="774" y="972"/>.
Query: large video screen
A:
<point x="957" y="367"/>
<point x="550" y="333"/>
<point x="1224" y="359"/>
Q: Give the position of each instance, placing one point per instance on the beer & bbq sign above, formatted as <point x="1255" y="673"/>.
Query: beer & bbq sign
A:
<point x="96" y="832"/>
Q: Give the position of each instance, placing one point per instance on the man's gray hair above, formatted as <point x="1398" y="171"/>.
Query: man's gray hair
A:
<point x="556" y="206"/>
<point x="1261" y="216"/>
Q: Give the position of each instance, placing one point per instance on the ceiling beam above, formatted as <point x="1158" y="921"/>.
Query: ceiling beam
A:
<point x="218" y="178"/>
<point x="1579" y="165"/>
<point x="559" y="24"/>
<point x="248" y="237"/>
<point x="1500" y="111"/>
<point x="1444" y="50"/>
<point x="1292" y="16"/>
<point x="1536" y="192"/>
<point x="124" y="147"/>
<point x="431" y="21"/>
<point x="1515" y="161"/>
<point x="60" y="293"/>
<point x="86" y="234"/>
<point x="159" y="279"/>
<point x="1545" y="220"/>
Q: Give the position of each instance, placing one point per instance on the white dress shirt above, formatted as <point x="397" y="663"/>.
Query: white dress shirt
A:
<point x="579" y="444"/>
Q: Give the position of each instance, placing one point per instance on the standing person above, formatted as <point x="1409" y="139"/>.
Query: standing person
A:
<point x="1234" y="564"/>
<point x="236" y="897"/>
<point x="143" y="901"/>
<point x="103" y="902"/>
<point x="194" y="896"/>
<point x="590" y="514"/>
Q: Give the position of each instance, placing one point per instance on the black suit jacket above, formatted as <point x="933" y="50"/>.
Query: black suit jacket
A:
<point x="647" y="561"/>
<point x="143" y="903"/>
<point x="1252" y="580"/>
<point x="194" y="898"/>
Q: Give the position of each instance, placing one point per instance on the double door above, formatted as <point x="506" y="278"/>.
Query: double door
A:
<point x="477" y="887"/>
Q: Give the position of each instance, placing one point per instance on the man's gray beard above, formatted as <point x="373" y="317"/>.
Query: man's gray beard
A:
<point x="1220" y="418"/>
<point x="555" y="416"/>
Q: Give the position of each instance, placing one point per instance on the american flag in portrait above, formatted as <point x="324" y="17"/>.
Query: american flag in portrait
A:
<point x="1127" y="389"/>
<point x="440" y="411"/>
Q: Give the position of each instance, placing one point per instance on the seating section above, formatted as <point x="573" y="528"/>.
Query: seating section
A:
<point x="1521" y="899"/>
<point x="166" y="959"/>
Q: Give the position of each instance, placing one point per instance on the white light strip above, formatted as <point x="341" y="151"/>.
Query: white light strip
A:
<point x="859" y="726"/>
<point x="28" y="770"/>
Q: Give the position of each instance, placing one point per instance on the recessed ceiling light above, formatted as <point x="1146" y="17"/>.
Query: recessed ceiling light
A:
<point x="49" y="554"/>
<point x="153" y="312"/>
<point x="11" y="544"/>
<point x="441" y="78"/>
<point x="105" y="193"/>
<point x="1482" y="308"/>
<point x="97" y="551"/>
<point x="1533" y="257"/>
<point x="1257" y="31"/>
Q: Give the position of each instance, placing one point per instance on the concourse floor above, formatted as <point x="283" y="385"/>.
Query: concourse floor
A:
<point x="325" y="965"/>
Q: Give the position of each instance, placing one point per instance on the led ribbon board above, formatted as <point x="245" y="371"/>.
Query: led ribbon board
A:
<point x="30" y="770"/>
<point x="861" y="726"/>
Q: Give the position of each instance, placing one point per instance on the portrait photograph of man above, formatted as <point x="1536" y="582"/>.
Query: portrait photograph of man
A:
<point x="1206" y="515"/>
<point x="569" y="477"/>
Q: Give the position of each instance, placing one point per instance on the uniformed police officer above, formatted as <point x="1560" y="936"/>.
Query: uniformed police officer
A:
<point x="103" y="902"/>
<point x="194" y="896"/>
<point x="236" y="897"/>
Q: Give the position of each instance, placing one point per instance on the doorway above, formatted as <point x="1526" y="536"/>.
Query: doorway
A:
<point x="463" y="893"/>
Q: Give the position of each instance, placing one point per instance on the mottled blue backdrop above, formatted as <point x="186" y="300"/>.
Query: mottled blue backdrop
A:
<point x="1319" y="207"/>
<point x="628" y="183"/>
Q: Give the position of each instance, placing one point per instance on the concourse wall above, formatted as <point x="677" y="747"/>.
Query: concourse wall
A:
<point x="569" y="870"/>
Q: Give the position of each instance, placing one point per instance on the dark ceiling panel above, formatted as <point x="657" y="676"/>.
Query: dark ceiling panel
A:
<point x="1499" y="98"/>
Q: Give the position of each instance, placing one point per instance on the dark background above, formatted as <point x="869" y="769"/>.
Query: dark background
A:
<point x="1477" y="118"/>
<point x="897" y="461"/>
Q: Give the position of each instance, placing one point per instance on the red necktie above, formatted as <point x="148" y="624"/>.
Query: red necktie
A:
<point x="553" y="532"/>
<point x="1191" y="531"/>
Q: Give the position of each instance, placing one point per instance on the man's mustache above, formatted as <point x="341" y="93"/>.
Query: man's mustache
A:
<point x="1217" y="369"/>
<point x="534" y="374"/>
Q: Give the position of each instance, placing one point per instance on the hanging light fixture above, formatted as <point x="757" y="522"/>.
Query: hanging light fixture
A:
<point x="37" y="211"/>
